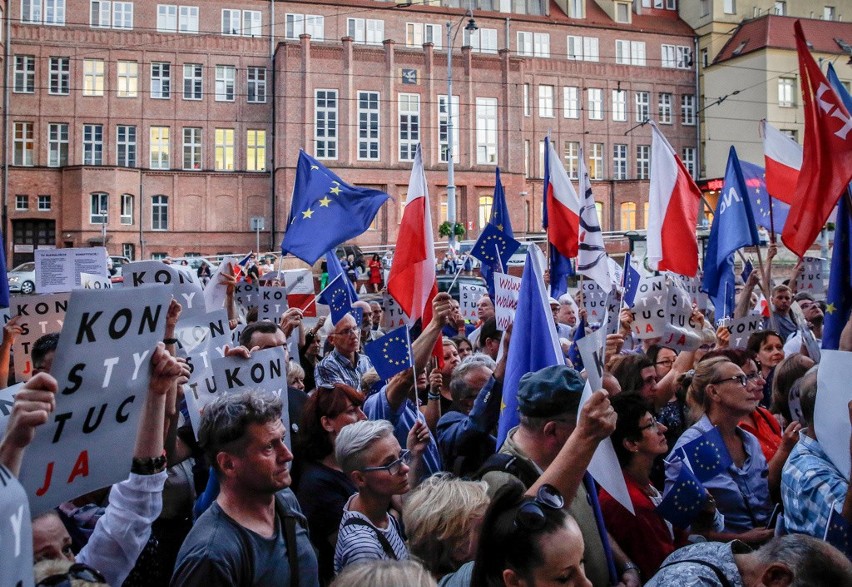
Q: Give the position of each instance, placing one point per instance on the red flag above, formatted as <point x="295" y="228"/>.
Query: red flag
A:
<point x="672" y="210"/>
<point x="827" y="162"/>
<point x="783" y="158"/>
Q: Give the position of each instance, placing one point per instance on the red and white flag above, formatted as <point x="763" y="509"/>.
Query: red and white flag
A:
<point x="827" y="159"/>
<point x="412" y="280"/>
<point x="783" y="157"/>
<point x="563" y="207"/>
<point x="672" y="210"/>
<point x="762" y="306"/>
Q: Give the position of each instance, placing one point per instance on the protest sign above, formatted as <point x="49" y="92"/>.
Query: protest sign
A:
<point x="742" y="328"/>
<point x="102" y="366"/>
<point x="831" y="414"/>
<point x="38" y="315"/>
<point x="393" y="316"/>
<point x="271" y="302"/>
<point x="16" y="533"/>
<point x="613" y="309"/>
<point x="506" y="290"/>
<point x="7" y="401"/>
<point x="469" y="295"/>
<point x="594" y="301"/>
<point x="813" y="279"/>
<point x="245" y="295"/>
<point x="215" y="292"/>
<point x="649" y="311"/>
<point x="682" y="331"/>
<point x="697" y="295"/>
<point x="58" y="270"/>
<point x="93" y="281"/>
<point x="300" y="290"/>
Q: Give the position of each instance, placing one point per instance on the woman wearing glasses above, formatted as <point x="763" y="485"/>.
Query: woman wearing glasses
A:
<point x="530" y="542"/>
<point x="741" y="491"/>
<point x="369" y="453"/>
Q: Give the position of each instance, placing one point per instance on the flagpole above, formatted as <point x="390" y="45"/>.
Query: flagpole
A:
<point x="458" y="272"/>
<point x="316" y="297"/>
<point x="771" y="221"/>
<point x="766" y="291"/>
<point x="499" y="260"/>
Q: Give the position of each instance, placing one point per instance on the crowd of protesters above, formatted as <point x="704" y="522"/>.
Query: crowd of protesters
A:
<point x="402" y="482"/>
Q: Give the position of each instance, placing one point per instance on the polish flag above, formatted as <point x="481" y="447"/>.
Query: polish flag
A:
<point x="762" y="306"/>
<point x="563" y="207"/>
<point x="672" y="210"/>
<point x="783" y="158"/>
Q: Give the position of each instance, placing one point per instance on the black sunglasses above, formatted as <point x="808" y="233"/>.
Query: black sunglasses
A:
<point x="531" y="515"/>
<point x="79" y="571"/>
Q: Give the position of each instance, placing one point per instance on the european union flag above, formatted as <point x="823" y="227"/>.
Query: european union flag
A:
<point x="631" y="281"/>
<point x="336" y="296"/>
<point x="491" y="243"/>
<point x="838" y="534"/>
<point x="500" y="219"/>
<point x="391" y="353"/>
<point x="839" y="295"/>
<point x="326" y="211"/>
<point x="761" y="201"/>
<point x="684" y="501"/>
<point x="708" y="456"/>
<point x="574" y="352"/>
<point x="747" y="269"/>
<point x="733" y="228"/>
<point x="358" y="314"/>
<point x="334" y="268"/>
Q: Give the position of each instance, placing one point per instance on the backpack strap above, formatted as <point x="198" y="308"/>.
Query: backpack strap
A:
<point x="720" y="575"/>
<point x="510" y="464"/>
<point x="386" y="546"/>
<point x="288" y="521"/>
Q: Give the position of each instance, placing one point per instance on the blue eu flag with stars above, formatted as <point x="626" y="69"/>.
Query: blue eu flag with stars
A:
<point x="761" y="201"/>
<point x="336" y="296"/>
<point x="500" y="219"/>
<point x="838" y="534"/>
<point x="631" y="281"/>
<point x="491" y="243"/>
<point x="391" y="353"/>
<point x="684" y="500"/>
<point x="326" y="211"/>
<point x="839" y="295"/>
<point x="707" y="455"/>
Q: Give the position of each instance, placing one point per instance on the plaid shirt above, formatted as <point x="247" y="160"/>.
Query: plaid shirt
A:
<point x="810" y="484"/>
<point x="335" y="368"/>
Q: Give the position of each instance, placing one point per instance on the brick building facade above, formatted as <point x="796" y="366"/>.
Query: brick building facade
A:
<point x="185" y="121"/>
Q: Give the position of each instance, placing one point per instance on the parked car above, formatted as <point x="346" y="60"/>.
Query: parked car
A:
<point x="22" y="278"/>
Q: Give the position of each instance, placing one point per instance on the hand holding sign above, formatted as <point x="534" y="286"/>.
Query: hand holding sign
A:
<point x="33" y="405"/>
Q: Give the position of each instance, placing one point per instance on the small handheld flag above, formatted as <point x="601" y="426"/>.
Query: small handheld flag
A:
<point x="707" y="455"/>
<point x="684" y="501"/>
<point x="391" y="353"/>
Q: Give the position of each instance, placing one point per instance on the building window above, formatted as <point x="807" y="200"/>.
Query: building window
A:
<point x="619" y="161"/>
<point x="705" y="58"/>
<point x="225" y="79"/>
<point x="24" y="74"/>
<point x="417" y="33"/>
<point x="99" y="208"/>
<point x="583" y="48"/>
<point x="729" y="6"/>
<point x="619" y="105"/>
<point x="443" y="127"/>
<point x="129" y="251"/>
<point x="172" y="18"/>
<point x="125" y="146"/>
<point x="676" y="56"/>
<point x="486" y="131"/>
<point x="57" y="144"/>
<point x="161" y="80"/>
<point x="786" y="92"/>
<point x="571" y="102"/>
<point x="409" y="126"/>
<point x="52" y="10"/>
<point x="93" y="144"/>
<point x="160" y="213"/>
<point x="485" y="204"/>
<point x="256" y="87"/>
<point x="256" y="150"/>
<point x="526" y="96"/>
<point x="126" y="209"/>
<point x="371" y="31"/>
<point x="628" y="216"/>
<point x="595" y="103"/>
<point x="122" y="15"/>
<point x="223" y="149"/>
<point x="188" y="19"/>
<point x="368" y="126"/>
<point x="689" y="160"/>
<point x="665" y="108"/>
<point x="687" y="109"/>
<point x="301" y="24"/>
<point x="533" y="44"/>
<point x="325" y="124"/>
<point x="643" y="106"/>
<point x="192" y="81"/>
<point x="541" y="157"/>
<point x="44" y="203"/>
<point x="105" y="14"/>
<point x="596" y="155"/>
<point x="545" y="101"/>
<point x="128" y="79"/>
<point x="622" y="12"/>
<point x="248" y="23"/>
<point x="792" y="133"/>
<point x="59" y="76"/>
<point x="572" y="158"/>
<point x="24" y="144"/>
<point x="192" y="148"/>
<point x="22" y="202"/>
<point x="780" y="8"/>
<point x="526" y="158"/>
<point x="159" y="147"/>
<point x="577" y="8"/>
<point x="643" y="161"/>
<point x="481" y="40"/>
<point x="93" y="77"/>
<point x="630" y="52"/>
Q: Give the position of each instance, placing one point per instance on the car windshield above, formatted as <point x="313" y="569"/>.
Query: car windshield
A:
<point x="25" y="267"/>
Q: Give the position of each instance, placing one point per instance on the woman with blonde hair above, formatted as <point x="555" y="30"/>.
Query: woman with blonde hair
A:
<point x="385" y="573"/>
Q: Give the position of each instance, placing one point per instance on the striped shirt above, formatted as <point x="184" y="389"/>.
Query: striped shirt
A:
<point x="335" y="368"/>
<point x="360" y="543"/>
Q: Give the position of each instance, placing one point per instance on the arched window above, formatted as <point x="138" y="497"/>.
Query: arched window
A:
<point x="628" y="216"/>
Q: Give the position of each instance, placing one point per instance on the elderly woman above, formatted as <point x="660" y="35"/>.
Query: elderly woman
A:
<point x="741" y="491"/>
<point x="443" y="517"/>
<point x="322" y="487"/>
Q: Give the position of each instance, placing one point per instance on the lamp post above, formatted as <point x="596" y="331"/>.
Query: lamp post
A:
<point x="451" y="169"/>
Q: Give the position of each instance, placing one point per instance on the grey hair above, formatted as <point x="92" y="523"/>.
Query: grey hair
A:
<point x="294" y="370"/>
<point x="354" y="440"/>
<point x="224" y="422"/>
<point x="813" y="562"/>
<point x="458" y="386"/>
<point x="385" y="573"/>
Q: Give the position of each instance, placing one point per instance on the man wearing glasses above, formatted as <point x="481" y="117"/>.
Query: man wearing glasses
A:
<point x="344" y="364"/>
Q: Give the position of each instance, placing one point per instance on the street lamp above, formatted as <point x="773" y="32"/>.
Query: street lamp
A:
<point x="451" y="170"/>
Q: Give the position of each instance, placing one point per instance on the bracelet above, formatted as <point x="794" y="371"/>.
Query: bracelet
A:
<point x="433" y="396"/>
<point x="149" y="465"/>
<point x="630" y="566"/>
<point x="170" y="340"/>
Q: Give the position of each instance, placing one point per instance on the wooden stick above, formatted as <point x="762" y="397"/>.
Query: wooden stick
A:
<point x="767" y="291"/>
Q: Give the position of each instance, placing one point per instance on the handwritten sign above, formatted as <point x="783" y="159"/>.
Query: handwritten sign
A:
<point x="469" y="295"/>
<point x="506" y="290"/>
<point x="58" y="270"/>
<point x="39" y="315"/>
<point x="102" y="365"/>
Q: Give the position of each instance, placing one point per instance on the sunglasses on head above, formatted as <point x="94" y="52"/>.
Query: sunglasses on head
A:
<point x="531" y="514"/>
<point x="79" y="571"/>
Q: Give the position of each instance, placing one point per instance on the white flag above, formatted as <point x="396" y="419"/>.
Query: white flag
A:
<point x="592" y="260"/>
